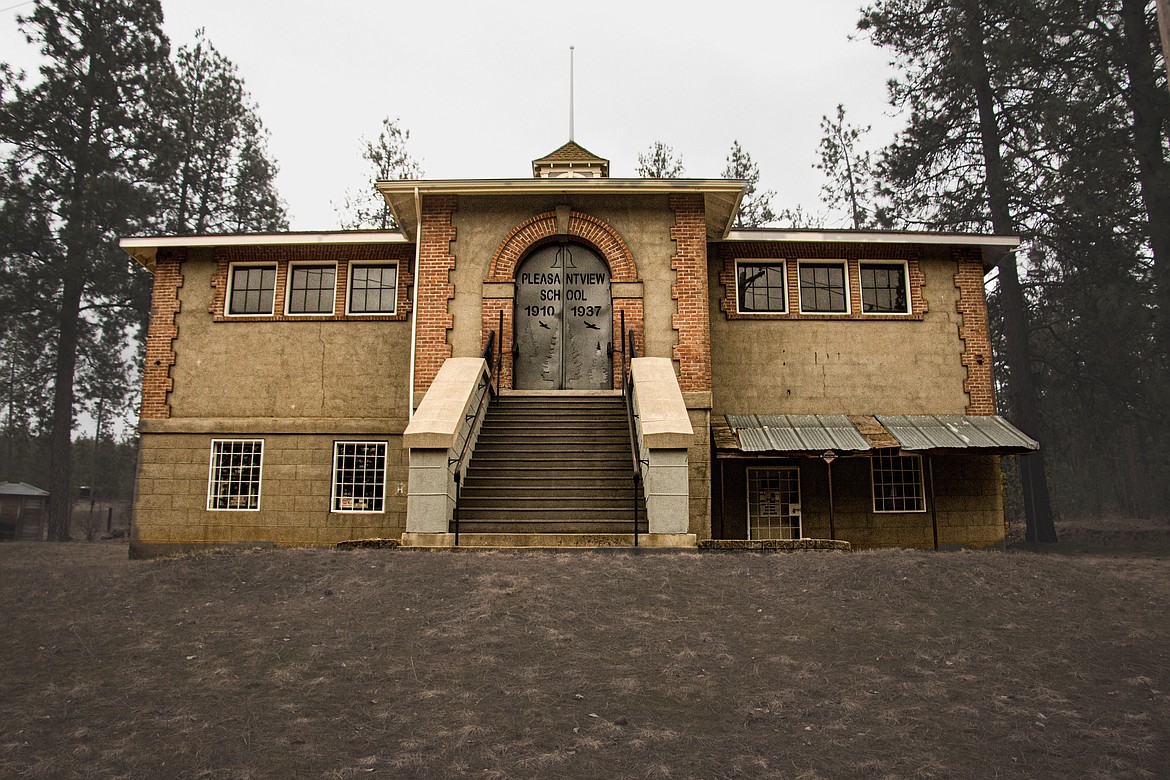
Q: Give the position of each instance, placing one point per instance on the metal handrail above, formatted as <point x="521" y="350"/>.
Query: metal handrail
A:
<point x="629" y="352"/>
<point x="489" y="352"/>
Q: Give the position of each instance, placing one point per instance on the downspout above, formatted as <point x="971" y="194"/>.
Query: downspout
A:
<point x="414" y="304"/>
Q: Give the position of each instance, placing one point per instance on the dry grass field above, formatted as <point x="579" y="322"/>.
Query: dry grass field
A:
<point x="320" y="663"/>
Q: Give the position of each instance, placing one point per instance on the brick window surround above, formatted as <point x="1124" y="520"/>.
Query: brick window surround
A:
<point x="340" y="255"/>
<point x="853" y="256"/>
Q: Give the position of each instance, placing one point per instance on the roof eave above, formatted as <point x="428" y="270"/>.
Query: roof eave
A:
<point x="722" y="196"/>
<point x="144" y="249"/>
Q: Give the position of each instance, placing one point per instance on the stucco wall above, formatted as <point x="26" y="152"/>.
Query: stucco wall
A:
<point x="316" y="369"/>
<point x="296" y="486"/>
<point x="841" y="366"/>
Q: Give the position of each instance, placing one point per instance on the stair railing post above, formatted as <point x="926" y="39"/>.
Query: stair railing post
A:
<point x="629" y="348"/>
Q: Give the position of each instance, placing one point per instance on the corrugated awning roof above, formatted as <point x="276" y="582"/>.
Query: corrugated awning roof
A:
<point x="918" y="432"/>
<point x="811" y="433"/>
<point x="815" y="433"/>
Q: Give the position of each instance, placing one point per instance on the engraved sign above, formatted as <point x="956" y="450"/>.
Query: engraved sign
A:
<point x="564" y="321"/>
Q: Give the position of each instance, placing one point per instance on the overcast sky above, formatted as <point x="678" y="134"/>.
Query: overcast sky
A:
<point x="483" y="87"/>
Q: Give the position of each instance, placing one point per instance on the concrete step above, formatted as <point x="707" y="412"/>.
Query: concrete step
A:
<point x="538" y="474"/>
<point x="551" y="541"/>
<point x="568" y="455"/>
<point x="545" y="485"/>
<point x="550" y="527"/>
<point x="558" y="502"/>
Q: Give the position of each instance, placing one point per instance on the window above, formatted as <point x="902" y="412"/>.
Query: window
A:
<point x="234" y="482"/>
<point x="773" y="503"/>
<point x="311" y="289"/>
<point x="251" y="289"/>
<point x="761" y="288"/>
<point x="823" y="289"/>
<point x="373" y="288"/>
<point x="897" y="482"/>
<point x="883" y="289"/>
<point x="359" y="476"/>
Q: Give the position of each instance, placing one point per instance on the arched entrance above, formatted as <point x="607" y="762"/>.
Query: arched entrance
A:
<point x="563" y="321"/>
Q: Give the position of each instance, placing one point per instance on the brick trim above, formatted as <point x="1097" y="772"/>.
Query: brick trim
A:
<point x="436" y="232"/>
<point x="542" y="228"/>
<point x="692" y="318"/>
<point x="537" y="231"/>
<point x="973" y="331"/>
<point x="160" y="336"/>
<point x="851" y="254"/>
<point x="341" y="255"/>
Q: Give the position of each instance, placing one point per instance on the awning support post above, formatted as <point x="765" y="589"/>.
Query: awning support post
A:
<point x="933" y="512"/>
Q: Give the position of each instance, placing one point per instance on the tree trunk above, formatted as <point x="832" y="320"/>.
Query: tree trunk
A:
<point x="61" y="438"/>
<point x="1021" y="389"/>
<point x="1149" y="116"/>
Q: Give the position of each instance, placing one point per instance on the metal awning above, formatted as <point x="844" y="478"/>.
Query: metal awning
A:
<point x="796" y="433"/>
<point x="814" y="434"/>
<point x="922" y="432"/>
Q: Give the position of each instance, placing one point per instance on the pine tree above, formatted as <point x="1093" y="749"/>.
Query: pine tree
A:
<point x="389" y="160"/>
<point x="756" y="208"/>
<point x="81" y="166"/>
<point x="225" y="180"/>
<point x="848" y="170"/>
<point x="660" y="162"/>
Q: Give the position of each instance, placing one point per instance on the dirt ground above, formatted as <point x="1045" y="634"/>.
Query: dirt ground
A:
<point x="321" y="663"/>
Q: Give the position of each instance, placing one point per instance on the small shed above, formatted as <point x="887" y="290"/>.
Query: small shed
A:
<point x="23" y="511"/>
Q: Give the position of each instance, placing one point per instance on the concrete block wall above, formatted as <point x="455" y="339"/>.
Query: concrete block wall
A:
<point x="968" y="494"/>
<point x="295" y="494"/>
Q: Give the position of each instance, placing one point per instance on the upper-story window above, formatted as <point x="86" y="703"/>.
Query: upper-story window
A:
<point x="312" y="289"/>
<point x="373" y="288"/>
<point x="823" y="289"/>
<point x="884" y="289"/>
<point x="761" y="288"/>
<point x="251" y="289"/>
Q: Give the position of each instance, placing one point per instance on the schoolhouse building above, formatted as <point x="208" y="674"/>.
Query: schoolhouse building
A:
<point x="569" y="359"/>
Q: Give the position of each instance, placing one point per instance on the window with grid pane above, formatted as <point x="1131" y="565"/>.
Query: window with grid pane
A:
<point x="822" y="288"/>
<point x="761" y="287"/>
<point x="883" y="289"/>
<point x="897" y="482"/>
<point x="234" y="482"/>
<point x="373" y="288"/>
<point x="251" y="289"/>
<point x="359" y="476"/>
<point x="311" y="289"/>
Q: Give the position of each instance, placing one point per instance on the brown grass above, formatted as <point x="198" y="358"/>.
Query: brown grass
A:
<point x="312" y="663"/>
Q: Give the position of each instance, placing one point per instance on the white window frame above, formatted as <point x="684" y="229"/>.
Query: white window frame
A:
<point x="230" y="284"/>
<point x="349" y="288"/>
<point x="873" y="472"/>
<point x="212" y="482"/>
<point x="335" y="499"/>
<point x="288" y="289"/>
<point x="781" y="264"/>
<point x="905" y="288"/>
<point x="748" y="497"/>
<point x="848" y="284"/>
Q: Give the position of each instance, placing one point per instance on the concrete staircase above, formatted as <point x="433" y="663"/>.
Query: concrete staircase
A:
<point x="552" y="464"/>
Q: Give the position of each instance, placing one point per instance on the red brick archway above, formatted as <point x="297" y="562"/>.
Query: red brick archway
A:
<point x="538" y="230"/>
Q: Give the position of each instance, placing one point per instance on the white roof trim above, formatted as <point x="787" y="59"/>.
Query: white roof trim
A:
<point x="264" y="239"/>
<point x="872" y="237"/>
<point x="534" y="185"/>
